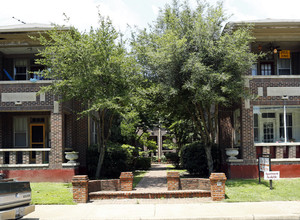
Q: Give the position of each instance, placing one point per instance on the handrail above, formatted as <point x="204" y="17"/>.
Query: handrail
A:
<point x="24" y="149"/>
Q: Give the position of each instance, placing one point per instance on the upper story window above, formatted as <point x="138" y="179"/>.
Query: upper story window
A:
<point x="21" y="69"/>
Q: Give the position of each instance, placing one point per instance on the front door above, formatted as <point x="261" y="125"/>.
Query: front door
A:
<point x="268" y="128"/>
<point x="37" y="139"/>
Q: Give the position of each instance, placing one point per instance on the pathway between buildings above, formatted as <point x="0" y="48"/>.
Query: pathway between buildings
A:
<point x="155" y="180"/>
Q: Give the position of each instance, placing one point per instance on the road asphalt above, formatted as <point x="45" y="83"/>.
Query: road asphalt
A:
<point x="169" y="209"/>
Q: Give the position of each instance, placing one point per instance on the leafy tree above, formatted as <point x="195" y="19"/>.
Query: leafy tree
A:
<point x="197" y="66"/>
<point x="94" y="68"/>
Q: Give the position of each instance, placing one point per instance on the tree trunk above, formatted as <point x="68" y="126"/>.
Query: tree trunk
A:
<point x="210" y="163"/>
<point x="100" y="161"/>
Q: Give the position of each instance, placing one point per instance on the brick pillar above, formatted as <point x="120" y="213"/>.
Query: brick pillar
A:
<point x="39" y="157"/>
<point x="25" y="157"/>
<point x="57" y="140"/>
<point x="217" y="185"/>
<point x="1" y="134"/>
<point x="266" y="150"/>
<point x="292" y="151"/>
<point x="173" y="180"/>
<point x="1" y="157"/>
<point x="80" y="188"/>
<point x="126" y="180"/>
<point x="279" y="152"/>
<point x="12" y="157"/>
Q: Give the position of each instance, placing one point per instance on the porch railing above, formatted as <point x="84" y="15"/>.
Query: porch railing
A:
<point x="24" y="156"/>
<point x="279" y="150"/>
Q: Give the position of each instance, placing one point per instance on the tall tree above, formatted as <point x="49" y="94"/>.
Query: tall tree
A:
<point x="94" y="68"/>
<point x="197" y="65"/>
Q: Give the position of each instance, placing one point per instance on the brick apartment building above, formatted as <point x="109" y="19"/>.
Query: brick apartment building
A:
<point x="35" y="130"/>
<point x="269" y="122"/>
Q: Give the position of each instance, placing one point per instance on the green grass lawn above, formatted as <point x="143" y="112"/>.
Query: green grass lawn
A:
<point x="52" y="193"/>
<point x="251" y="191"/>
<point x="171" y="167"/>
<point x="137" y="177"/>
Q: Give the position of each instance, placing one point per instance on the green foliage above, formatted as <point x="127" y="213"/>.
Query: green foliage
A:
<point x="196" y="65"/>
<point x="173" y="158"/>
<point x="193" y="159"/>
<point x="145" y="141"/>
<point x="143" y="163"/>
<point x="118" y="158"/>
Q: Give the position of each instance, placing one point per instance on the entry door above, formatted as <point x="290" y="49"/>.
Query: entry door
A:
<point x="37" y="139"/>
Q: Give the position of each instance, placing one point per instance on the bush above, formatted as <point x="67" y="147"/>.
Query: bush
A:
<point x="173" y="158"/>
<point x="193" y="158"/>
<point x="143" y="163"/>
<point x="118" y="158"/>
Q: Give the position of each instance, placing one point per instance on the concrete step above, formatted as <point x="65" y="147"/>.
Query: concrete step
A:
<point x="148" y="195"/>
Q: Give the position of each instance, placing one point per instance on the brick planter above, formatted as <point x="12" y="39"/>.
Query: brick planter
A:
<point x="80" y="188"/>
<point x="217" y="182"/>
<point x="126" y="181"/>
<point x="173" y="180"/>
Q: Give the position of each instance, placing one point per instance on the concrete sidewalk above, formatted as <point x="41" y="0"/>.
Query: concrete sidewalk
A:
<point x="178" y="210"/>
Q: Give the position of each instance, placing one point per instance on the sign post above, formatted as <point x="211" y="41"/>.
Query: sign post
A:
<point x="264" y="164"/>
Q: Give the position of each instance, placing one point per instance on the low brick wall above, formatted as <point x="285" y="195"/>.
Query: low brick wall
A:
<point x="194" y="184"/>
<point x="104" y="185"/>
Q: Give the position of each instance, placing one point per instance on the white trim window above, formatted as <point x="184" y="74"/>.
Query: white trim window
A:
<point x="269" y="125"/>
<point x="21" y="69"/>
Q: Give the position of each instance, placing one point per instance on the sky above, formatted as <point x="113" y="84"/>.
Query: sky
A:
<point x="84" y="13"/>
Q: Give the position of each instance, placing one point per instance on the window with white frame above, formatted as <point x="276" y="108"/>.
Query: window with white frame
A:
<point x="284" y="66"/>
<point x="20" y="131"/>
<point x="269" y="125"/>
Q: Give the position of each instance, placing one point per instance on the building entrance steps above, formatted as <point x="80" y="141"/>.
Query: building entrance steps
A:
<point x="152" y="186"/>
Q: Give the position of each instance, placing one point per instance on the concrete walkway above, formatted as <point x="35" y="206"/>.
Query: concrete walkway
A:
<point x="180" y="210"/>
<point x="155" y="180"/>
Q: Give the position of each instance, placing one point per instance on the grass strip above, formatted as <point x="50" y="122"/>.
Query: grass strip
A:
<point x="51" y="193"/>
<point x="137" y="177"/>
<point x="248" y="190"/>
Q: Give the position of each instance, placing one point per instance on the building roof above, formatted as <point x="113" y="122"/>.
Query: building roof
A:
<point x="32" y="27"/>
<point x="270" y="29"/>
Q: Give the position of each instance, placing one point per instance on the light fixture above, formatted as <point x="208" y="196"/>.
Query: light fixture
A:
<point x="275" y="50"/>
<point x="259" y="47"/>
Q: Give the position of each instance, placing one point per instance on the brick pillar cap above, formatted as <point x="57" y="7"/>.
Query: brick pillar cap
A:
<point x="126" y="175"/>
<point x="217" y="176"/>
<point x="172" y="174"/>
<point x="80" y="177"/>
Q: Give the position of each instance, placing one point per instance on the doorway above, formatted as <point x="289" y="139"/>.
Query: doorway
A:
<point x="37" y="139"/>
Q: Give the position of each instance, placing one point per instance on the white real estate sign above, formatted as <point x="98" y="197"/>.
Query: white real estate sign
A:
<point x="264" y="164"/>
<point x="272" y="175"/>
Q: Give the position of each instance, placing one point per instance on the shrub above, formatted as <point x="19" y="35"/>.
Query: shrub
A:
<point x="173" y="158"/>
<point x="143" y="163"/>
<point x="193" y="159"/>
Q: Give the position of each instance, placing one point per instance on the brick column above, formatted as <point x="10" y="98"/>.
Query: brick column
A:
<point x="279" y="152"/>
<point x="266" y="150"/>
<point x="126" y="180"/>
<point x="12" y="157"/>
<point x="217" y="185"/>
<point x="292" y="151"/>
<point x="1" y="157"/>
<point x="1" y="131"/>
<point x="39" y="157"/>
<point x="25" y="157"/>
<point x="173" y="180"/>
<point x="80" y="188"/>
<point x="57" y="140"/>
